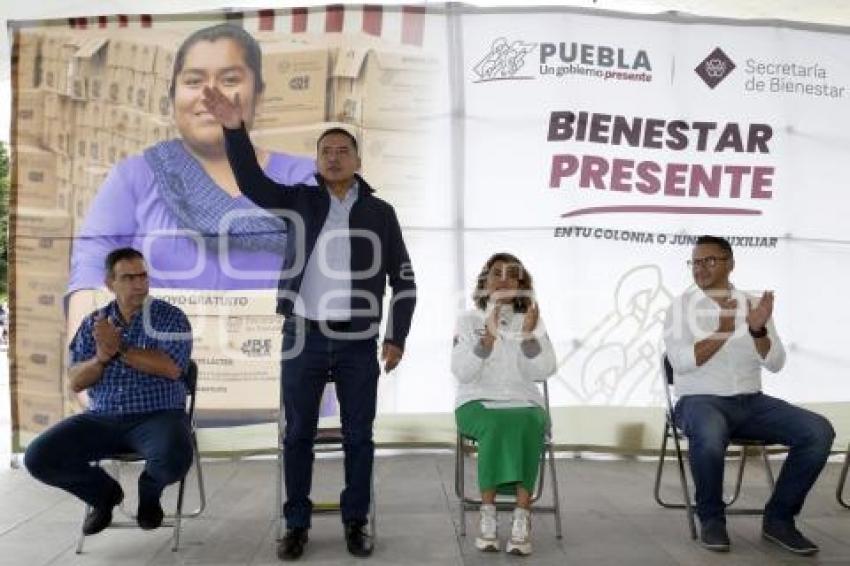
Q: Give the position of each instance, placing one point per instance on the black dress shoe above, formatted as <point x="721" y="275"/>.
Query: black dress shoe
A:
<point x="786" y="535"/>
<point x="100" y="517"/>
<point x="713" y="535"/>
<point x="359" y="543"/>
<point x="149" y="515"/>
<point x="293" y="543"/>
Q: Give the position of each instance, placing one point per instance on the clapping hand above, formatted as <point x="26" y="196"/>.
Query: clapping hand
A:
<point x="529" y="321"/>
<point x="107" y="339"/>
<point x="758" y="316"/>
<point x="491" y="324"/>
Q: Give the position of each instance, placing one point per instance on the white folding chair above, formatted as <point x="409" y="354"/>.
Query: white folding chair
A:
<point x="672" y="431"/>
<point x="466" y="446"/>
<point x="173" y="520"/>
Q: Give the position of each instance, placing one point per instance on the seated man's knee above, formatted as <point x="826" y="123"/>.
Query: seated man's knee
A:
<point x="172" y="468"/>
<point x="37" y="460"/>
<point x="819" y="433"/>
<point x="708" y="438"/>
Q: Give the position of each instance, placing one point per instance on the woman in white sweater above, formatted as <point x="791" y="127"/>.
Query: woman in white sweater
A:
<point x="500" y="350"/>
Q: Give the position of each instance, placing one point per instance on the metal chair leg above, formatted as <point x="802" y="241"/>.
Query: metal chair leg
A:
<point x="556" y="502"/>
<point x="739" y="478"/>
<point x="541" y="475"/>
<point x="659" y="472"/>
<point x="177" y="516"/>
<point x="199" y="477"/>
<point x="768" y="471"/>
<point x="82" y="539"/>
<point x="459" y="484"/>
<point x="842" y="481"/>
<point x="689" y="509"/>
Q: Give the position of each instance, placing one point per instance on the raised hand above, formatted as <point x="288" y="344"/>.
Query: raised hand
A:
<point x="227" y="112"/>
<point x="758" y="316"/>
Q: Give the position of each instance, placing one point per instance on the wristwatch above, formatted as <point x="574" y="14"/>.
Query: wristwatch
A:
<point x="760" y="333"/>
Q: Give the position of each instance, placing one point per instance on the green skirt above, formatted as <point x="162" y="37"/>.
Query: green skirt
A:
<point x="510" y="442"/>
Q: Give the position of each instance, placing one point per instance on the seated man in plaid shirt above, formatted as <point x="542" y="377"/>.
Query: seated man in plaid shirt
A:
<point x="129" y="357"/>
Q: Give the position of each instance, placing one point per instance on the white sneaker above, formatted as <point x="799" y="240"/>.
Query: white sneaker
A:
<point x="488" y="539"/>
<point x="520" y="541"/>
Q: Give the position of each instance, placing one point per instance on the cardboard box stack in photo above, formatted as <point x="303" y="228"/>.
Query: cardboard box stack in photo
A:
<point x="25" y="60"/>
<point x="397" y="164"/>
<point x="29" y="117"/>
<point x="295" y="79"/>
<point x="382" y="93"/>
<point x="37" y="412"/>
<point x="368" y="82"/>
<point x="379" y="88"/>
<point x="298" y="140"/>
<point x="42" y="249"/>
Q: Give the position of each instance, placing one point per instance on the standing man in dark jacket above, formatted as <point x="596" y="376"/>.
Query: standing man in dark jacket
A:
<point x="342" y="245"/>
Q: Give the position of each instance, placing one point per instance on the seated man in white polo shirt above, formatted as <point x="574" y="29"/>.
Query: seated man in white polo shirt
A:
<point x="717" y="340"/>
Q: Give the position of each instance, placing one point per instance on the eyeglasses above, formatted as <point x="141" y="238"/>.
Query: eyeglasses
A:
<point x="708" y="261"/>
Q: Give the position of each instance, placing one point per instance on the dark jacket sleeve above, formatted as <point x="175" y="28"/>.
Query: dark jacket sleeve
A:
<point x="400" y="274"/>
<point x="250" y="177"/>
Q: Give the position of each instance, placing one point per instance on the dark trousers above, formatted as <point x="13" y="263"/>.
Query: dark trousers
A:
<point x="62" y="455"/>
<point x="709" y="421"/>
<point x="310" y="358"/>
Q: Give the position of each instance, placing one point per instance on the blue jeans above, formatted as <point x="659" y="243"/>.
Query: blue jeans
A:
<point x="709" y="421"/>
<point x="354" y="367"/>
<point x="61" y="455"/>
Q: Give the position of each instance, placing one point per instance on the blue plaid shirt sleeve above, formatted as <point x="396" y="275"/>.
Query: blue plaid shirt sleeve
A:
<point x="83" y="347"/>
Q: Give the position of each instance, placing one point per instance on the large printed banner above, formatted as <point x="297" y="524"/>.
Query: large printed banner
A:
<point x="595" y="148"/>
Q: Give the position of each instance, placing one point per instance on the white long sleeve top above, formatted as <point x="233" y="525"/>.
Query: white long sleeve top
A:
<point x="736" y="367"/>
<point x="507" y="372"/>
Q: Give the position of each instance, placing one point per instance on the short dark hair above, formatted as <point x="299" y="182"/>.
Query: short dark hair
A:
<point x="119" y="255"/>
<point x="526" y="282"/>
<point x="718" y="241"/>
<point x="342" y="132"/>
<point x="253" y="54"/>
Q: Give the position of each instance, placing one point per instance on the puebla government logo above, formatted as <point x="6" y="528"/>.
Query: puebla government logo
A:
<point x="504" y="61"/>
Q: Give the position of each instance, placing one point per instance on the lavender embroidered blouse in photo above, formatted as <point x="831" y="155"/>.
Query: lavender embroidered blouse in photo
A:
<point x="133" y="209"/>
